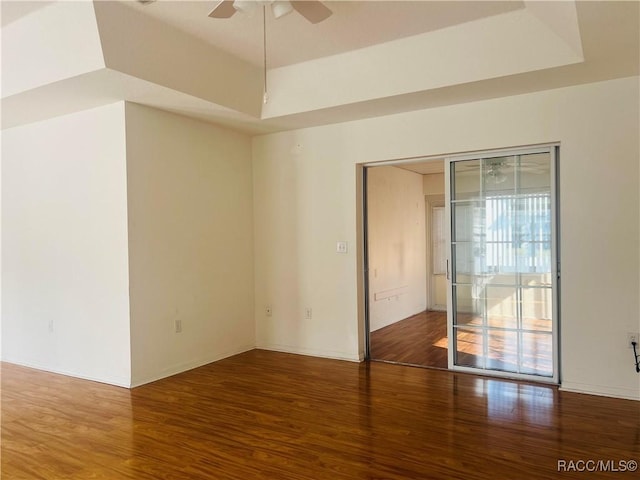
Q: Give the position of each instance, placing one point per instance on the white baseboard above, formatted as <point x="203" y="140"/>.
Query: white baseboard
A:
<point x="115" y="381"/>
<point x="312" y="352"/>
<point x="601" y="390"/>
<point x="190" y="365"/>
<point x="185" y="366"/>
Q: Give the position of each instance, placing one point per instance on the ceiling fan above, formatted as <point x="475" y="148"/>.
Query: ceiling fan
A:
<point x="313" y="10"/>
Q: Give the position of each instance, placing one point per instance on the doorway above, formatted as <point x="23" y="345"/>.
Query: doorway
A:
<point x="496" y="256"/>
<point x="407" y="257"/>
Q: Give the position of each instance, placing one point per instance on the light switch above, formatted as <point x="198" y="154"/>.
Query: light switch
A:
<point x="341" y="247"/>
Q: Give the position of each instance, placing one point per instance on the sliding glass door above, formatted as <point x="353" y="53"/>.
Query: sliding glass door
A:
<point x="502" y="263"/>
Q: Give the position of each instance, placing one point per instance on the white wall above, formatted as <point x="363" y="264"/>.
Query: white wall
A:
<point x="397" y="245"/>
<point x="304" y="202"/>
<point x="190" y="242"/>
<point x="65" y="303"/>
<point x="306" y="195"/>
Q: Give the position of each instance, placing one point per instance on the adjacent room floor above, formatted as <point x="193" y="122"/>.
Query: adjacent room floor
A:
<point x="422" y="340"/>
<point x="267" y="415"/>
<point x="417" y="340"/>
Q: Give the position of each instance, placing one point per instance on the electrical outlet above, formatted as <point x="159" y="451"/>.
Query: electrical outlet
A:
<point x="633" y="337"/>
<point x="268" y="311"/>
<point x="178" y="326"/>
<point x="308" y="313"/>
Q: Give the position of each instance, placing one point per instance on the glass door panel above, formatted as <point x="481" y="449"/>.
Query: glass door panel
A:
<point x="503" y="263"/>
<point x="470" y="347"/>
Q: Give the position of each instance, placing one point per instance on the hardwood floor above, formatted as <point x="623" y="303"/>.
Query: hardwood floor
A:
<point x="536" y="344"/>
<point x="422" y="340"/>
<point x="417" y="340"/>
<point x="266" y="415"/>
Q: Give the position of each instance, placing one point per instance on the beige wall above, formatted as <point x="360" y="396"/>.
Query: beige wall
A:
<point x="65" y="296"/>
<point x="305" y="183"/>
<point x="433" y="184"/>
<point x="190" y="242"/>
<point x="397" y="245"/>
<point x="64" y="243"/>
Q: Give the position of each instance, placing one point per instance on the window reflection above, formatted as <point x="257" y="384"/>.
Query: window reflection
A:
<point x="512" y="401"/>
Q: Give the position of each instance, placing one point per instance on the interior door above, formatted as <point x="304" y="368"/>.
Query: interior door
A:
<point x="502" y="315"/>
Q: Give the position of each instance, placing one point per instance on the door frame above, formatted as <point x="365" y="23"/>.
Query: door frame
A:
<point x="555" y="247"/>
<point x="364" y="243"/>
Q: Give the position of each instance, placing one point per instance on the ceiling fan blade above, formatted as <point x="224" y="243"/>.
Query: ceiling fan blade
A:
<point x="224" y="9"/>
<point x="312" y="10"/>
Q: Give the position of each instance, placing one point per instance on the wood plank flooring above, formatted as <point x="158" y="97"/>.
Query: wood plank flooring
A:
<point x="266" y="415"/>
<point x="422" y="340"/>
<point x="417" y="340"/>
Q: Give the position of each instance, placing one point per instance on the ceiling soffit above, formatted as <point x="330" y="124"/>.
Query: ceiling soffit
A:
<point x="147" y="61"/>
<point x="493" y="47"/>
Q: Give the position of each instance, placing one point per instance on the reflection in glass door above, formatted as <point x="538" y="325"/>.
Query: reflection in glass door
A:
<point x="503" y="264"/>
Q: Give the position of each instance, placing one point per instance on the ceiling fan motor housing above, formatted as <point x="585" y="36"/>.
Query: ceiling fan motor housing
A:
<point x="313" y="10"/>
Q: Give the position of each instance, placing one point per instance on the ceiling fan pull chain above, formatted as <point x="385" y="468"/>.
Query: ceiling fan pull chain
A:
<point x="265" y="97"/>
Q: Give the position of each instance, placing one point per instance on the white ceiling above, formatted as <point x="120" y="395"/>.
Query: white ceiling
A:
<point x="15" y="10"/>
<point x="292" y="39"/>
<point x="369" y="59"/>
